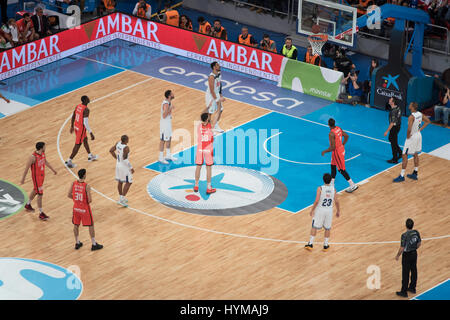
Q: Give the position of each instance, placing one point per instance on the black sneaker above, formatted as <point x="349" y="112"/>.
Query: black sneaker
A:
<point x="78" y="245"/>
<point x="392" y="161"/>
<point x="309" y="247"/>
<point x="402" y="294"/>
<point x="325" y="248"/>
<point x="411" y="290"/>
<point x="98" y="246"/>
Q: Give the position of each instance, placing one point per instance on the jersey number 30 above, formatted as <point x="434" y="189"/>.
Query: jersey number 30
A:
<point x="78" y="196"/>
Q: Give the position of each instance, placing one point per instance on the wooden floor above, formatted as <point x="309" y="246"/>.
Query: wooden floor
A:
<point x="146" y="258"/>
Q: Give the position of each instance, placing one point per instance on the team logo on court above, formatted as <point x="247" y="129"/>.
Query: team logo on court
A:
<point x="240" y="191"/>
<point x="12" y="199"/>
<point x="26" y="279"/>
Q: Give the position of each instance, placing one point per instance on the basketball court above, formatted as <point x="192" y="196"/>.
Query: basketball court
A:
<point x="246" y="240"/>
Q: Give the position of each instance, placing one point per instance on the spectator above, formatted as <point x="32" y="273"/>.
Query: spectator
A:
<point x="79" y="3"/>
<point x="4" y="38"/>
<point x="367" y="84"/>
<point x="218" y="31"/>
<point x="204" y="26"/>
<point x="268" y="44"/>
<point x="289" y="50"/>
<point x="40" y="23"/>
<point x="107" y="6"/>
<point x="26" y="28"/>
<point x="342" y="62"/>
<point x="142" y="10"/>
<point x="246" y="38"/>
<point x="4" y="5"/>
<point x="310" y="58"/>
<point x="444" y="109"/>
<point x="185" y="22"/>
<point x="12" y="33"/>
<point x="170" y="16"/>
<point x="353" y="91"/>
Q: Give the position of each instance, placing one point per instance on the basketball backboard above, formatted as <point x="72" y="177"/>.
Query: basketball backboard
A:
<point x="335" y="19"/>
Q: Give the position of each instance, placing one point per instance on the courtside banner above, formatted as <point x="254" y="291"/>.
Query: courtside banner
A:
<point x="196" y="46"/>
<point x="310" y="79"/>
<point x="43" y="51"/>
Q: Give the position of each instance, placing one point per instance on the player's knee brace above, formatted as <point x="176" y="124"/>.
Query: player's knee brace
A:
<point x="333" y="172"/>
<point x="345" y="174"/>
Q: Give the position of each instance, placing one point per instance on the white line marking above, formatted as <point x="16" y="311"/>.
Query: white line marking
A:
<point x="298" y="162"/>
<point x="209" y="230"/>
<point x="414" y="298"/>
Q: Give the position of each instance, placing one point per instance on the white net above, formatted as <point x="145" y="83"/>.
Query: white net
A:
<point x="317" y="42"/>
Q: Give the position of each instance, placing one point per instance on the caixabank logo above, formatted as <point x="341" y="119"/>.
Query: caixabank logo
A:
<point x="240" y="191"/>
<point x="26" y="279"/>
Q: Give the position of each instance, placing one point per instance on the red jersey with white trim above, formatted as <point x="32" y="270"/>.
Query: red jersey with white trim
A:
<point x="38" y="167"/>
<point x="79" y="112"/>
<point x="79" y="196"/>
<point x="337" y="138"/>
<point x="205" y="137"/>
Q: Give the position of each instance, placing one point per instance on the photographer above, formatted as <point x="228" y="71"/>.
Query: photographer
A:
<point x="353" y="89"/>
<point x="267" y="44"/>
<point x="342" y="62"/>
<point x="444" y="109"/>
<point x="142" y="10"/>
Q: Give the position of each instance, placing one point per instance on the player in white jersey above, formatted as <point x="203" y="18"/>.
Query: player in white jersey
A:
<point x="124" y="170"/>
<point x="322" y="211"/>
<point x="413" y="143"/>
<point x="213" y="94"/>
<point x="165" y="127"/>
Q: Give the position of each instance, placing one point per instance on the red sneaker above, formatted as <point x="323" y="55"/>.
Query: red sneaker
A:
<point x="209" y="191"/>
<point x="195" y="189"/>
<point x="43" y="216"/>
<point x="28" y="207"/>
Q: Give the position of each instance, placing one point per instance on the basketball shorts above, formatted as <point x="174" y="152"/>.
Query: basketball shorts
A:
<point x="322" y="219"/>
<point x="80" y="135"/>
<point x="123" y="173"/>
<point x="83" y="215"/>
<point x="211" y="104"/>
<point x="338" y="159"/>
<point x="38" y="185"/>
<point x="205" y="156"/>
<point x="414" y="144"/>
<point x="165" y="130"/>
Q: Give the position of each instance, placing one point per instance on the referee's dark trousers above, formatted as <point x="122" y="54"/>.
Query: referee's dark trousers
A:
<point x="409" y="264"/>
<point x="393" y="139"/>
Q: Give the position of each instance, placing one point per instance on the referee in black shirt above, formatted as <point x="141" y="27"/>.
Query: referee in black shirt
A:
<point x="395" y="120"/>
<point x="409" y="244"/>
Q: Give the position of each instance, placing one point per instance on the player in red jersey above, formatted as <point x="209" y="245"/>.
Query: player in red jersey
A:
<point x="205" y="149"/>
<point x="80" y="193"/>
<point x="338" y="154"/>
<point x="37" y="163"/>
<point x="80" y="125"/>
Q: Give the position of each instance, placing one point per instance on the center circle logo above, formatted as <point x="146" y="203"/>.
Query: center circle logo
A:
<point x="12" y="199"/>
<point x="26" y="279"/>
<point x="240" y="191"/>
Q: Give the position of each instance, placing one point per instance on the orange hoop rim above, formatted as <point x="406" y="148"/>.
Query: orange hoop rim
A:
<point x="318" y="38"/>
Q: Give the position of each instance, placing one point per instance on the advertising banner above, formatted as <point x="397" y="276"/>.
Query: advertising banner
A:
<point x="310" y="79"/>
<point x="50" y="49"/>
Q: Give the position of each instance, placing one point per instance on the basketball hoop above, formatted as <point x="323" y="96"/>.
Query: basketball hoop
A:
<point x="317" y="41"/>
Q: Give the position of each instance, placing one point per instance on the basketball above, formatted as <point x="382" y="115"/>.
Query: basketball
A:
<point x="315" y="28"/>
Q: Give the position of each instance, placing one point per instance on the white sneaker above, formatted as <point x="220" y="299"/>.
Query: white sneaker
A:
<point x="122" y="203"/>
<point x="125" y="200"/>
<point x="70" y="164"/>
<point x="93" y="158"/>
<point x="351" y="189"/>
<point x="171" y="158"/>
<point x="218" y="129"/>
<point x="163" y="161"/>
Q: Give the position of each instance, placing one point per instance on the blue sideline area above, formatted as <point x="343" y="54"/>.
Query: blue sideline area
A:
<point x="439" y="292"/>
